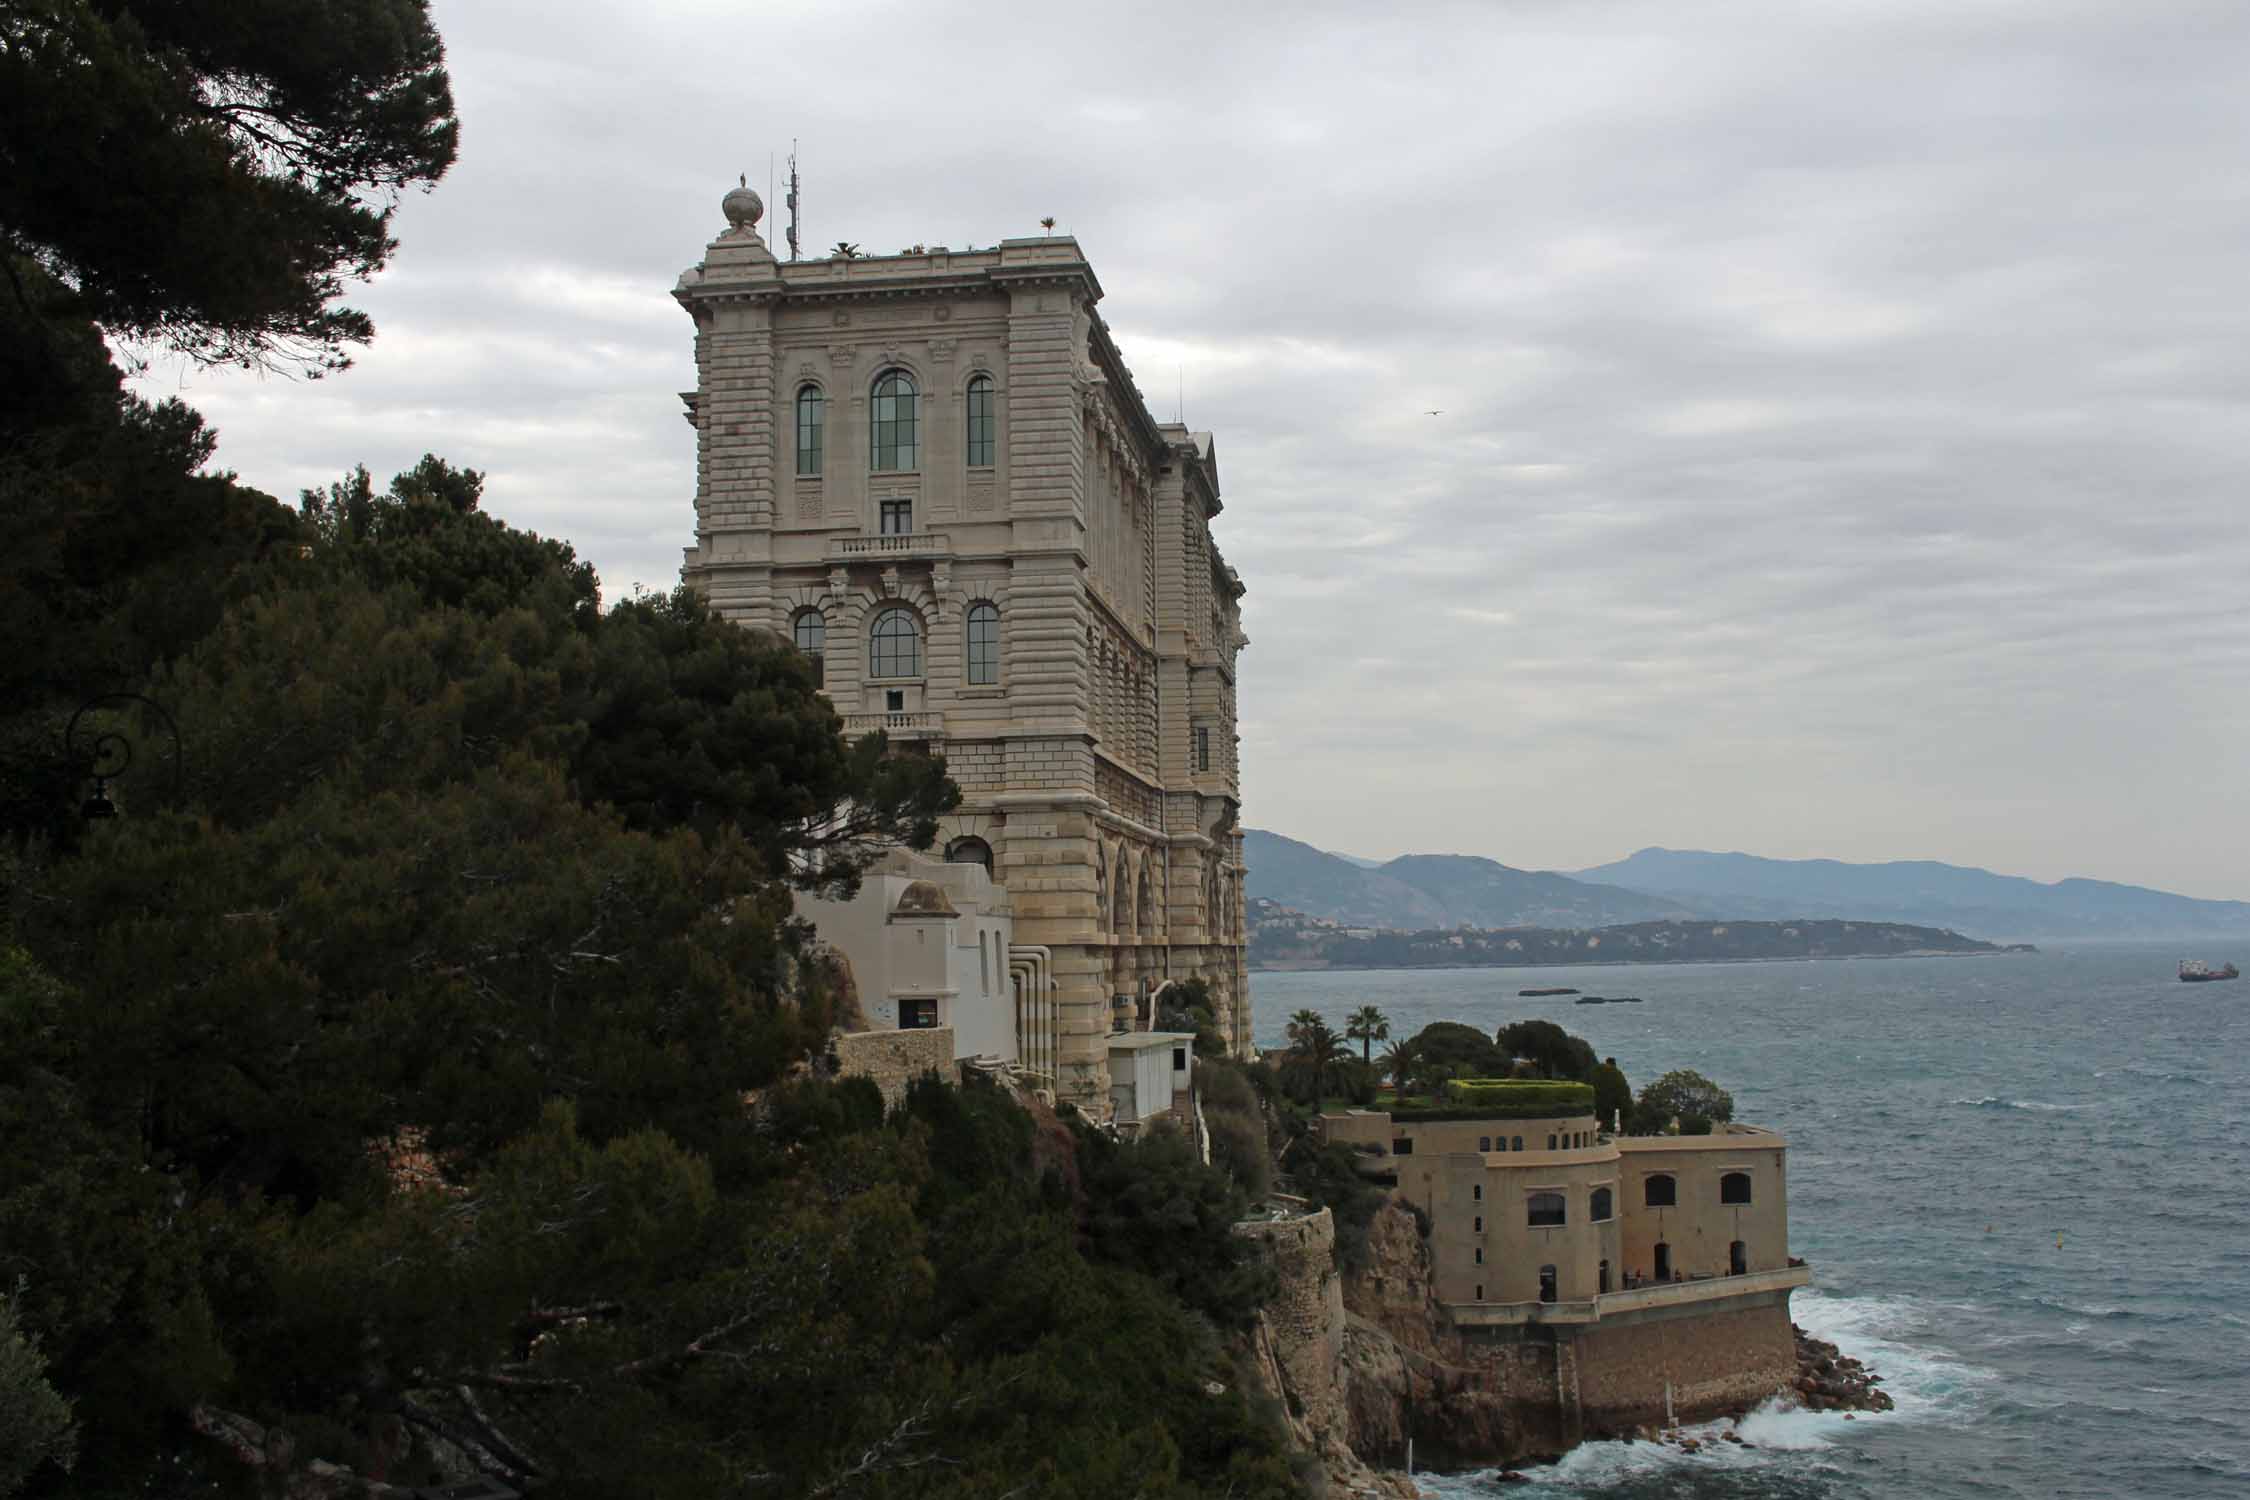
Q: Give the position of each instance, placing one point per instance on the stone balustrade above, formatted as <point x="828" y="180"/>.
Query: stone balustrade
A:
<point x="924" y="725"/>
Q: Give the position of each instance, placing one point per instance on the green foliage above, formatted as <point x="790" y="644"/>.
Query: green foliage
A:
<point x="1519" y="1098"/>
<point x="1327" y="1175"/>
<point x="1613" y="1096"/>
<point x="1313" y="1067"/>
<point x="35" y="1425"/>
<point x="1683" y="1095"/>
<point x="1464" y="1051"/>
<point x="1367" y="1026"/>
<point x="1186" y="1006"/>
<point x="1549" y="1048"/>
<point x="1151" y="1203"/>
<point x="1236" y="1119"/>
<point x="253" y="149"/>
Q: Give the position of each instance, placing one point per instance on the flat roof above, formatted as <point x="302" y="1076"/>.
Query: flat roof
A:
<point x="1138" y="1041"/>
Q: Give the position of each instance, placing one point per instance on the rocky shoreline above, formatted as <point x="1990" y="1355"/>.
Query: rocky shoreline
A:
<point x="1830" y="1380"/>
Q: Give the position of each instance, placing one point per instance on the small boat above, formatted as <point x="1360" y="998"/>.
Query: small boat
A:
<point x="2196" y="971"/>
<point x="1565" y="990"/>
<point x="1590" y="1000"/>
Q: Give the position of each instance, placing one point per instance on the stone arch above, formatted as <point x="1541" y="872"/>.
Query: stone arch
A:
<point x="1144" y="903"/>
<point x="1121" y="893"/>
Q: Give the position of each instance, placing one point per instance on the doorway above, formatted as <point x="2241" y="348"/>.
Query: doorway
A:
<point x="1663" y="1261"/>
<point x="1738" y="1259"/>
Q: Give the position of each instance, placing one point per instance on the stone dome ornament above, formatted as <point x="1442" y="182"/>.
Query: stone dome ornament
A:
<point x="743" y="208"/>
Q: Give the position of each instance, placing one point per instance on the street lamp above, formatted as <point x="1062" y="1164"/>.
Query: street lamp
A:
<point x="109" y="752"/>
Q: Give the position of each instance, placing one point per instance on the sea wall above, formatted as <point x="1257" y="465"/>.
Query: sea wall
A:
<point x="1716" y="1361"/>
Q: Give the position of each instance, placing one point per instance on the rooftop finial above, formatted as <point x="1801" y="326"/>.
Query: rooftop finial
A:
<point x="743" y="208"/>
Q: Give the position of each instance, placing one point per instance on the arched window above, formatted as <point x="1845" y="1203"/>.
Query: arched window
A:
<point x="811" y="418"/>
<point x="1545" y="1210"/>
<point x="1600" y="1207"/>
<point x="1142" y="899"/>
<point x="1101" y="887"/>
<point x="1734" y="1188"/>
<point x="969" y="851"/>
<point x="1516" y="1144"/>
<point x="1484" y="1143"/>
<point x="897" y="645"/>
<point x="984" y="643"/>
<point x="983" y="426"/>
<point x="1660" y="1191"/>
<point x="1121" y="894"/>
<point x="810" y="631"/>
<point x="892" y="417"/>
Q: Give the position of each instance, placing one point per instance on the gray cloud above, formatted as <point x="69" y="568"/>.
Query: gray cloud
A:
<point x="1843" y="406"/>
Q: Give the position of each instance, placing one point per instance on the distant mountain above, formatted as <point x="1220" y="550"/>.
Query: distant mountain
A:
<point x="1424" y="891"/>
<point x="1919" y="891"/>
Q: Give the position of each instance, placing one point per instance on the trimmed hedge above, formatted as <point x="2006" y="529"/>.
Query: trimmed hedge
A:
<point x="1504" y="1099"/>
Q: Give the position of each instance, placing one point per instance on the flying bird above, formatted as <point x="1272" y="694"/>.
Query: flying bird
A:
<point x="1438" y="413"/>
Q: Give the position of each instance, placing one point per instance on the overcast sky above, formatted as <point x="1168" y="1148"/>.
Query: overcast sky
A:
<point x="1841" y="407"/>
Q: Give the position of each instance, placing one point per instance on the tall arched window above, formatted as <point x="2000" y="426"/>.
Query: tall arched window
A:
<point x="983" y="425"/>
<point x="811" y="418"/>
<point x="1101" y="886"/>
<point x="895" y="645"/>
<point x="810" y="631"/>
<point x="1660" y="1191"/>
<point x="1544" y="1209"/>
<point x="1599" y="1208"/>
<point x="892" y="417"/>
<point x="1734" y="1188"/>
<point x="1144" y="905"/>
<point x="984" y="643"/>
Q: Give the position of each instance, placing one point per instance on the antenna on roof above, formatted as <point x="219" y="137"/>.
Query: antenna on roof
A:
<point x="792" y="199"/>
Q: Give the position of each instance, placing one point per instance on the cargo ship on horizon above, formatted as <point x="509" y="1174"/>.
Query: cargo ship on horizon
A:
<point x="2196" y="971"/>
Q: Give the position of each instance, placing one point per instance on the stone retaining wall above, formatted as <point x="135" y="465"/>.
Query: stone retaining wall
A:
<point x="895" y="1059"/>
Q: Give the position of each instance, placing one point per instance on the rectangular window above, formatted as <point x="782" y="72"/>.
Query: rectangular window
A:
<point x="1480" y="1291"/>
<point x="1480" y="1255"/>
<point x="811" y="420"/>
<point x="1403" y="1146"/>
<point x="917" y="1015"/>
<point x="981" y="424"/>
<point x="1202" y="749"/>
<point x="984" y="645"/>
<point x="1477" y="1192"/>
<point x="1479" y="1224"/>
<point x="1179" y="1059"/>
<point x="897" y="517"/>
<point x="894" y="700"/>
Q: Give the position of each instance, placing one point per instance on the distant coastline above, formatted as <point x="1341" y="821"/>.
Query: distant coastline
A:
<point x="1284" y="940"/>
<point x="1316" y="966"/>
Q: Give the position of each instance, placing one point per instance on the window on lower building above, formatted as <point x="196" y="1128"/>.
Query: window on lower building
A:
<point x="1403" y="1146"/>
<point x="894" y="700"/>
<point x="1179" y="1059"/>
<point x="1660" y="1190"/>
<point x="892" y="420"/>
<point x="1476" y="1192"/>
<point x="1734" y="1188"/>
<point x="1518" y="1146"/>
<point x="984" y="643"/>
<point x="917" y="1015"/>
<point x="1599" y="1207"/>
<point x="1550" y="1143"/>
<point x="810" y="631"/>
<point x="1202" y="748"/>
<point x="1479" y="1222"/>
<point x="896" y="517"/>
<point x="1484" y="1143"/>
<point x="1738" y="1259"/>
<point x="1545" y="1209"/>
<point x="1480" y="1255"/>
<point x="810" y="420"/>
<point x="1547" y="1287"/>
<point x="896" y="645"/>
<point x="983" y="428"/>
<point x="1601" y="1278"/>
<point x="1480" y="1291"/>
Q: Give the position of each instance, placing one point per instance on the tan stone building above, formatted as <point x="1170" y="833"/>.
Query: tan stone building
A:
<point x="1643" y="1263"/>
<point x="933" y="472"/>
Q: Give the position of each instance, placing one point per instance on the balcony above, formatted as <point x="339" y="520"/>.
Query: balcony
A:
<point x="926" y="725"/>
<point x="890" y="549"/>
<point x="1661" y="1294"/>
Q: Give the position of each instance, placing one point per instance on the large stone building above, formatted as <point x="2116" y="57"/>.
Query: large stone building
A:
<point x="1645" y="1271"/>
<point x="933" y="472"/>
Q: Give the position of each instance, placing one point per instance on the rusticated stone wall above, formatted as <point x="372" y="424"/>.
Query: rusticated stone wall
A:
<point x="1716" y="1362"/>
<point x="895" y="1059"/>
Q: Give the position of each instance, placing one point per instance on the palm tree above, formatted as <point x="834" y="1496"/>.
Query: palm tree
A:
<point x="1301" y="1026"/>
<point x="1316" y="1055"/>
<point x="1368" y="1026"/>
<point x="845" y="250"/>
<point x="1400" y="1059"/>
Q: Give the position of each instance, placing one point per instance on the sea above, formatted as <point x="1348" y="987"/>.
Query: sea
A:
<point x="2022" y="1182"/>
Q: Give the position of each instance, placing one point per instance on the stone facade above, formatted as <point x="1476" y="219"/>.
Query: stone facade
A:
<point x="935" y="469"/>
